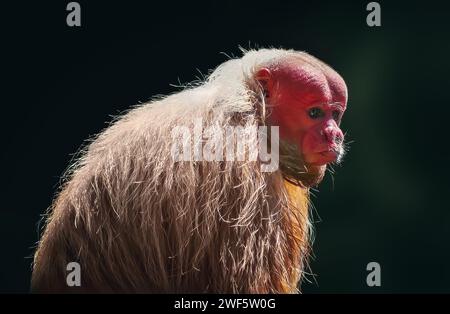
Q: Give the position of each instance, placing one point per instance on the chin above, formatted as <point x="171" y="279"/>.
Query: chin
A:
<point x="296" y="169"/>
<point x="314" y="175"/>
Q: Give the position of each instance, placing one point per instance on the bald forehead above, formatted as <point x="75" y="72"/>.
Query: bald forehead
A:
<point x="312" y="82"/>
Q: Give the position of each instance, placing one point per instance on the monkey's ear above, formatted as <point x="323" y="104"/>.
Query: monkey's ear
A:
<point x="264" y="77"/>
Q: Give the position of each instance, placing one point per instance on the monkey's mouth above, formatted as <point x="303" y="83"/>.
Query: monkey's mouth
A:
<point x="332" y="153"/>
<point x="324" y="157"/>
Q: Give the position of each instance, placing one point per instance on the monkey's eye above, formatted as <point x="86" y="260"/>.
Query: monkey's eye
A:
<point x="316" y="113"/>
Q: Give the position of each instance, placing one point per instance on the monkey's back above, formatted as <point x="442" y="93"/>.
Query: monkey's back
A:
<point x="136" y="221"/>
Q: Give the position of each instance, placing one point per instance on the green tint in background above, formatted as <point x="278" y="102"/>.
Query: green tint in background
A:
<point x="387" y="203"/>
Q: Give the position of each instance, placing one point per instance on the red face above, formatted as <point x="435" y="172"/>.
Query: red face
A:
<point x="308" y="104"/>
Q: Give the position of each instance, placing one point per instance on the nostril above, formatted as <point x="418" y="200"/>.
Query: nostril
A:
<point x="330" y="135"/>
<point x="333" y="136"/>
<point x="339" y="139"/>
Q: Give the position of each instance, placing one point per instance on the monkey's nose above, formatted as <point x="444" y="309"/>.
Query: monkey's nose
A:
<point x="334" y="135"/>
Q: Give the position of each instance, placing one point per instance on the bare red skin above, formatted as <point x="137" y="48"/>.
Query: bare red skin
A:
<point x="292" y="90"/>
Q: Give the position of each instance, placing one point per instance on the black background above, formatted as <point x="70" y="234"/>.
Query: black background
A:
<point x="389" y="200"/>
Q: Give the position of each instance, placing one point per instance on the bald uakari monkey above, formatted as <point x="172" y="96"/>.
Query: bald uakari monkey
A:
<point x="136" y="221"/>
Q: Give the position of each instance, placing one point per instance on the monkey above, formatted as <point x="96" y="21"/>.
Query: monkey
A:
<point x="138" y="222"/>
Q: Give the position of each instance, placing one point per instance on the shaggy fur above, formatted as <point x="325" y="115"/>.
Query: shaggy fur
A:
<point x="138" y="222"/>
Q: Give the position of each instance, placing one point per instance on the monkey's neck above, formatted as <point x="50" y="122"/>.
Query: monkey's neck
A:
<point x="298" y="196"/>
<point x="299" y="225"/>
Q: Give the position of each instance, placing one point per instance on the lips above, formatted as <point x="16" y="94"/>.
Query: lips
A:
<point x="329" y="154"/>
<point x="323" y="158"/>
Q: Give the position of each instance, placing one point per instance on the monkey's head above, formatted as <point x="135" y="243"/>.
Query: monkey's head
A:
<point x="307" y="100"/>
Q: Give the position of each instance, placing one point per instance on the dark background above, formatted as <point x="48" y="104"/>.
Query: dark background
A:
<point x="389" y="201"/>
